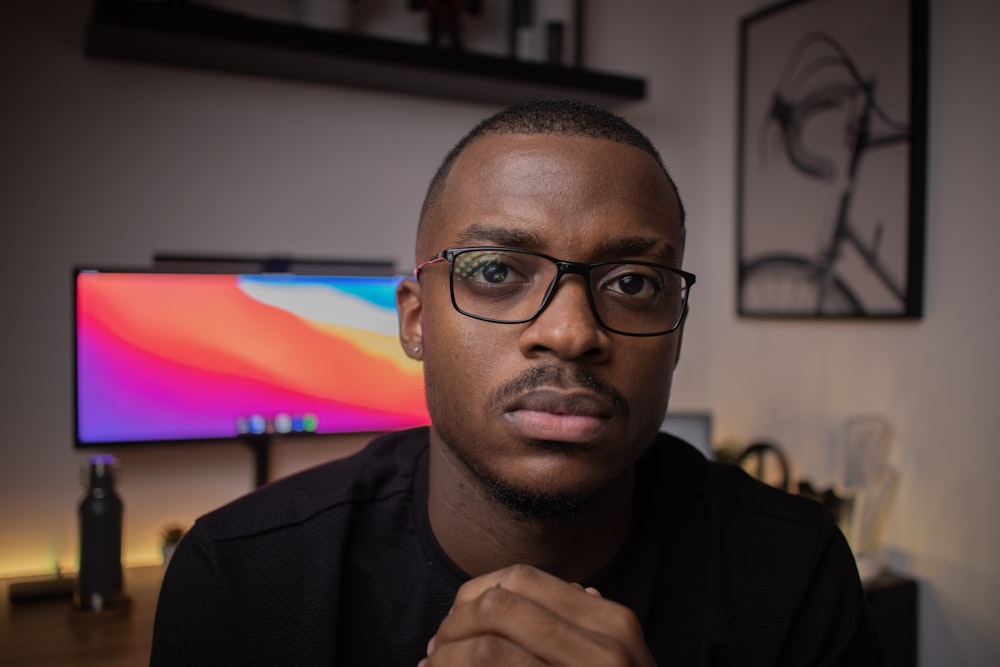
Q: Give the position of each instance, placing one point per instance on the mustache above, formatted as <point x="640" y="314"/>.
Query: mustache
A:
<point x="550" y="375"/>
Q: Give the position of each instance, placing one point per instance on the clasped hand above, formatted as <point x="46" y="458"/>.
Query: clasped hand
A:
<point x="522" y="616"/>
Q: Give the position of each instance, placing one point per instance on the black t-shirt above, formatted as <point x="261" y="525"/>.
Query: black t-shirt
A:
<point x="337" y="565"/>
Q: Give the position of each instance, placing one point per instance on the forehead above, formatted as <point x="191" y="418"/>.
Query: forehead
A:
<point x="556" y="194"/>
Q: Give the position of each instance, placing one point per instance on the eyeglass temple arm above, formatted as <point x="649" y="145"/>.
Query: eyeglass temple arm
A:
<point x="432" y="260"/>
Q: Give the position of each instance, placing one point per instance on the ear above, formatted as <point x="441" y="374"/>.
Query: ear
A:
<point x="409" y="305"/>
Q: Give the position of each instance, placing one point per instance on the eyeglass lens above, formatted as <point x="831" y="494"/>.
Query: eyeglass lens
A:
<point x="513" y="285"/>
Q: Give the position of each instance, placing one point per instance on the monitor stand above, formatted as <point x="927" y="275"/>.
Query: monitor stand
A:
<point x="260" y="447"/>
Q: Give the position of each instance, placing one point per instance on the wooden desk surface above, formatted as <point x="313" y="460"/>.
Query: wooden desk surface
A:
<point x="45" y="633"/>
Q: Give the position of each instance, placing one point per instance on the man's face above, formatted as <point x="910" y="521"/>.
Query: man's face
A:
<point x="559" y="407"/>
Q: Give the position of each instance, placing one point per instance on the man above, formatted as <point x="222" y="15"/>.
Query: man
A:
<point x="540" y="520"/>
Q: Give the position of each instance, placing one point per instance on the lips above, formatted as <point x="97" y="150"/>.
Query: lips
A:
<point x="558" y="416"/>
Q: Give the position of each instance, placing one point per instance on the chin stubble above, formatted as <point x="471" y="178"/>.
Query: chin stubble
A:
<point x="565" y="509"/>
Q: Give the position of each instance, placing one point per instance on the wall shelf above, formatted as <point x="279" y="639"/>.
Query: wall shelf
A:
<point x="177" y="33"/>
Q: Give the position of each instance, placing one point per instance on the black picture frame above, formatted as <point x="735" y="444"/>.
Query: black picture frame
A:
<point x="832" y="160"/>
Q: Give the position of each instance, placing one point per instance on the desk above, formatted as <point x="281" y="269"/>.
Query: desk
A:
<point x="892" y="600"/>
<point x="42" y="633"/>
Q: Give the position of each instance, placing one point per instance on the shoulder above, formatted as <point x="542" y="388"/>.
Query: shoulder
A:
<point x="263" y="579"/>
<point x="730" y="494"/>
<point x="773" y="571"/>
<point x="382" y="469"/>
<point x="752" y="500"/>
<point x="753" y="538"/>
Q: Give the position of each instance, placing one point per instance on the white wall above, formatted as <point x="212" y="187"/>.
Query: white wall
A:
<point x="936" y="380"/>
<point x="106" y="162"/>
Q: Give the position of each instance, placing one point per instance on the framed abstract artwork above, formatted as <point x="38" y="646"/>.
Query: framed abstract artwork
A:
<point x="832" y="159"/>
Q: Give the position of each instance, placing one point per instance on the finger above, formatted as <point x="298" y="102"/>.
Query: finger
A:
<point x="482" y="650"/>
<point x="506" y="617"/>
<point x="530" y="582"/>
<point x="583" y="607"/>
<point x="589" y="590"/>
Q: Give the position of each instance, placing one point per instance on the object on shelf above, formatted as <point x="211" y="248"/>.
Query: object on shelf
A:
<point x="188" y="35"/>
<point x="444" y="20"/>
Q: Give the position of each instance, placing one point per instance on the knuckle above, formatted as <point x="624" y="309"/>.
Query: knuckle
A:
<point x="488" y="650"/>
<point x="626" y="624"/>
<point x="464" y="594"/>
<point x="493" y="604"/>
<point x="520" y="573"/>
<point x="622" y="630"/>
<point x="612" y="654"/>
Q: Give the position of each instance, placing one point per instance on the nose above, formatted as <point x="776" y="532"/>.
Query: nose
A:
<point x="566" y="327"/>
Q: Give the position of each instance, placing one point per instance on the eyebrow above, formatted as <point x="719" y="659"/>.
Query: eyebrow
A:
<point x="494" y="234"/>
<point x="634" y="246"/>
<point x="617" y="248"/>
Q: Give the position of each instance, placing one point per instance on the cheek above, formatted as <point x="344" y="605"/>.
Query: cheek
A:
<point x="647" y="380"/>
<point x="462" y="362"/>
<point x="456" y="343"/>
<point x="461" y="369"/>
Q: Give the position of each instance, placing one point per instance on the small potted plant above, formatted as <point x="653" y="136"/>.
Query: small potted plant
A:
<point x="170" y="536"/>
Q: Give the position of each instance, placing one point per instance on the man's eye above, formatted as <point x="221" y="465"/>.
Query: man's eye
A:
<point x="494" y="273"/>
<point x="634" y="284"/>
<point x="484" y="268"/>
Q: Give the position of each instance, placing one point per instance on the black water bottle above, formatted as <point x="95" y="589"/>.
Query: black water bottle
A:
<point x="99" y="582"/>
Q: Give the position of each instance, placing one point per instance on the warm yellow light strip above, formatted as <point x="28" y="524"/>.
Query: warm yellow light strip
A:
<point x="16" y="565"/>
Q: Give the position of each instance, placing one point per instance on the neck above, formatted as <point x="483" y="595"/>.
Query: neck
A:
<point x="480" y="535"/>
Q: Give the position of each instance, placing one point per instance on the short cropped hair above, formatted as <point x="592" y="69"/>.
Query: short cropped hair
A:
<point x="565" y="117"/>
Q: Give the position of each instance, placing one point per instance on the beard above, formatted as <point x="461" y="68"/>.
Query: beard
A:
<point x="568" y="508"/>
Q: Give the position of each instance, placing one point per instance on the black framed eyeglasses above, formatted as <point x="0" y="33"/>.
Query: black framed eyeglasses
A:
<point x="513" y="286"/>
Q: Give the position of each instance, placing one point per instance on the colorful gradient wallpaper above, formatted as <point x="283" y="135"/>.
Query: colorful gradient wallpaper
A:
<point x="172" y="356"/>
